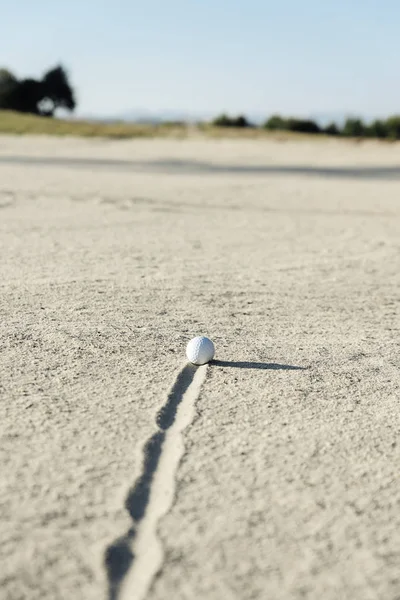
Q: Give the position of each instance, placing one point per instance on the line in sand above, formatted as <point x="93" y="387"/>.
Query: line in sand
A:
<point x="133" y="560"/>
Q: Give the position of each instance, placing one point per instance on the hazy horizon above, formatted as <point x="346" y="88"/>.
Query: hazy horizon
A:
<point x="300" y="59"/>
<point x="142" y="115"/>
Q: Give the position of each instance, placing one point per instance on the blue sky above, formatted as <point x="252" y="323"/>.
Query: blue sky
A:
<point x="208" y="56"/>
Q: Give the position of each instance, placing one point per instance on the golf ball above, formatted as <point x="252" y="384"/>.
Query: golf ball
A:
<point x="200" y="350"/>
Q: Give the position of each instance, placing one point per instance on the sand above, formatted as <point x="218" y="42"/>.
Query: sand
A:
<point x="272" y="473"/>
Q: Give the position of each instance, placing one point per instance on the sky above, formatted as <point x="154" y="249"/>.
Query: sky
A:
<point x="293" y="57"/>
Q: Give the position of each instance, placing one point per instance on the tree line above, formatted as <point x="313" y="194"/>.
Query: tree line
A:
<point x="53" y="91"/>
<point x="39" y="97"/>
<point x="352" y="127"/>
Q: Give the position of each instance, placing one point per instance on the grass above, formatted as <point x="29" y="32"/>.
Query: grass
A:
<point x="254" y="133"/>
<point x="13" y="123"/>
<point x="24" y="124"/>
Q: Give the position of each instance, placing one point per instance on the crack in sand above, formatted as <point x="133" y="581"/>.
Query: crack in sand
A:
<point x="133" y="560"/>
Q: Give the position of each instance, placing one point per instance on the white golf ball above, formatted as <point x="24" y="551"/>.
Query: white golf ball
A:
<point x="200" y="350"/>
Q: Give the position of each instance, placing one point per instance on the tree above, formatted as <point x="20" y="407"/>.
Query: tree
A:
<point x="354" y="128"/>
<point x="303" y="126"/>
<point x="377" y="129"/>
<point x="222" y="121"/>
<point x="393" y="127"/>
<point x="8" y="83"/>
<point x="276" y="123"/>
<point x="6" y="77"/>
<point x="41" y="97"/>
<point x="332" y="129"/>
<point x="226" y="121"/>
<point x="240" y="121"/>
<point x="58" y="90"/>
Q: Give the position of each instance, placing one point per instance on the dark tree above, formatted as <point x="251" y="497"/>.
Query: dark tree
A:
<point x="303" y="126"/>
<point x="332" y="129"/>
<point x="226" y="121"/>
<point x="8" y="83"/>
<point x="240" y="122"/>
<point x="58" y="90"/>
<point x="41" y="97"/>
<point x="6" y="78"/>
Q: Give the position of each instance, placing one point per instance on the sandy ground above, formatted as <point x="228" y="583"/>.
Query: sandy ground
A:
<point x="271" y="474"/>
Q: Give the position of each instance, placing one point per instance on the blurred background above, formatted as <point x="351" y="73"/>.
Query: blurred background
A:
<point x="309" y="65"/>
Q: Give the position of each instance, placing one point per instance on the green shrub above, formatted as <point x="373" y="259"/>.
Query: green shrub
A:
<point x="226" y="121"/>
<point x="393" y="127"/>
<point x="377" y="129"/>
<point x="276" y="123"/>
<point x="332" y="129"/>
<point x="221" y="121"/>
<point x="354" y="128"/>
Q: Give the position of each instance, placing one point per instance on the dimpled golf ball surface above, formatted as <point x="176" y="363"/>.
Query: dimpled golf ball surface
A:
<point x="200" y="350"/>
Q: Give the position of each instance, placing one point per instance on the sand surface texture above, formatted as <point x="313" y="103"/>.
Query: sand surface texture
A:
<point x="272" y="473"/>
